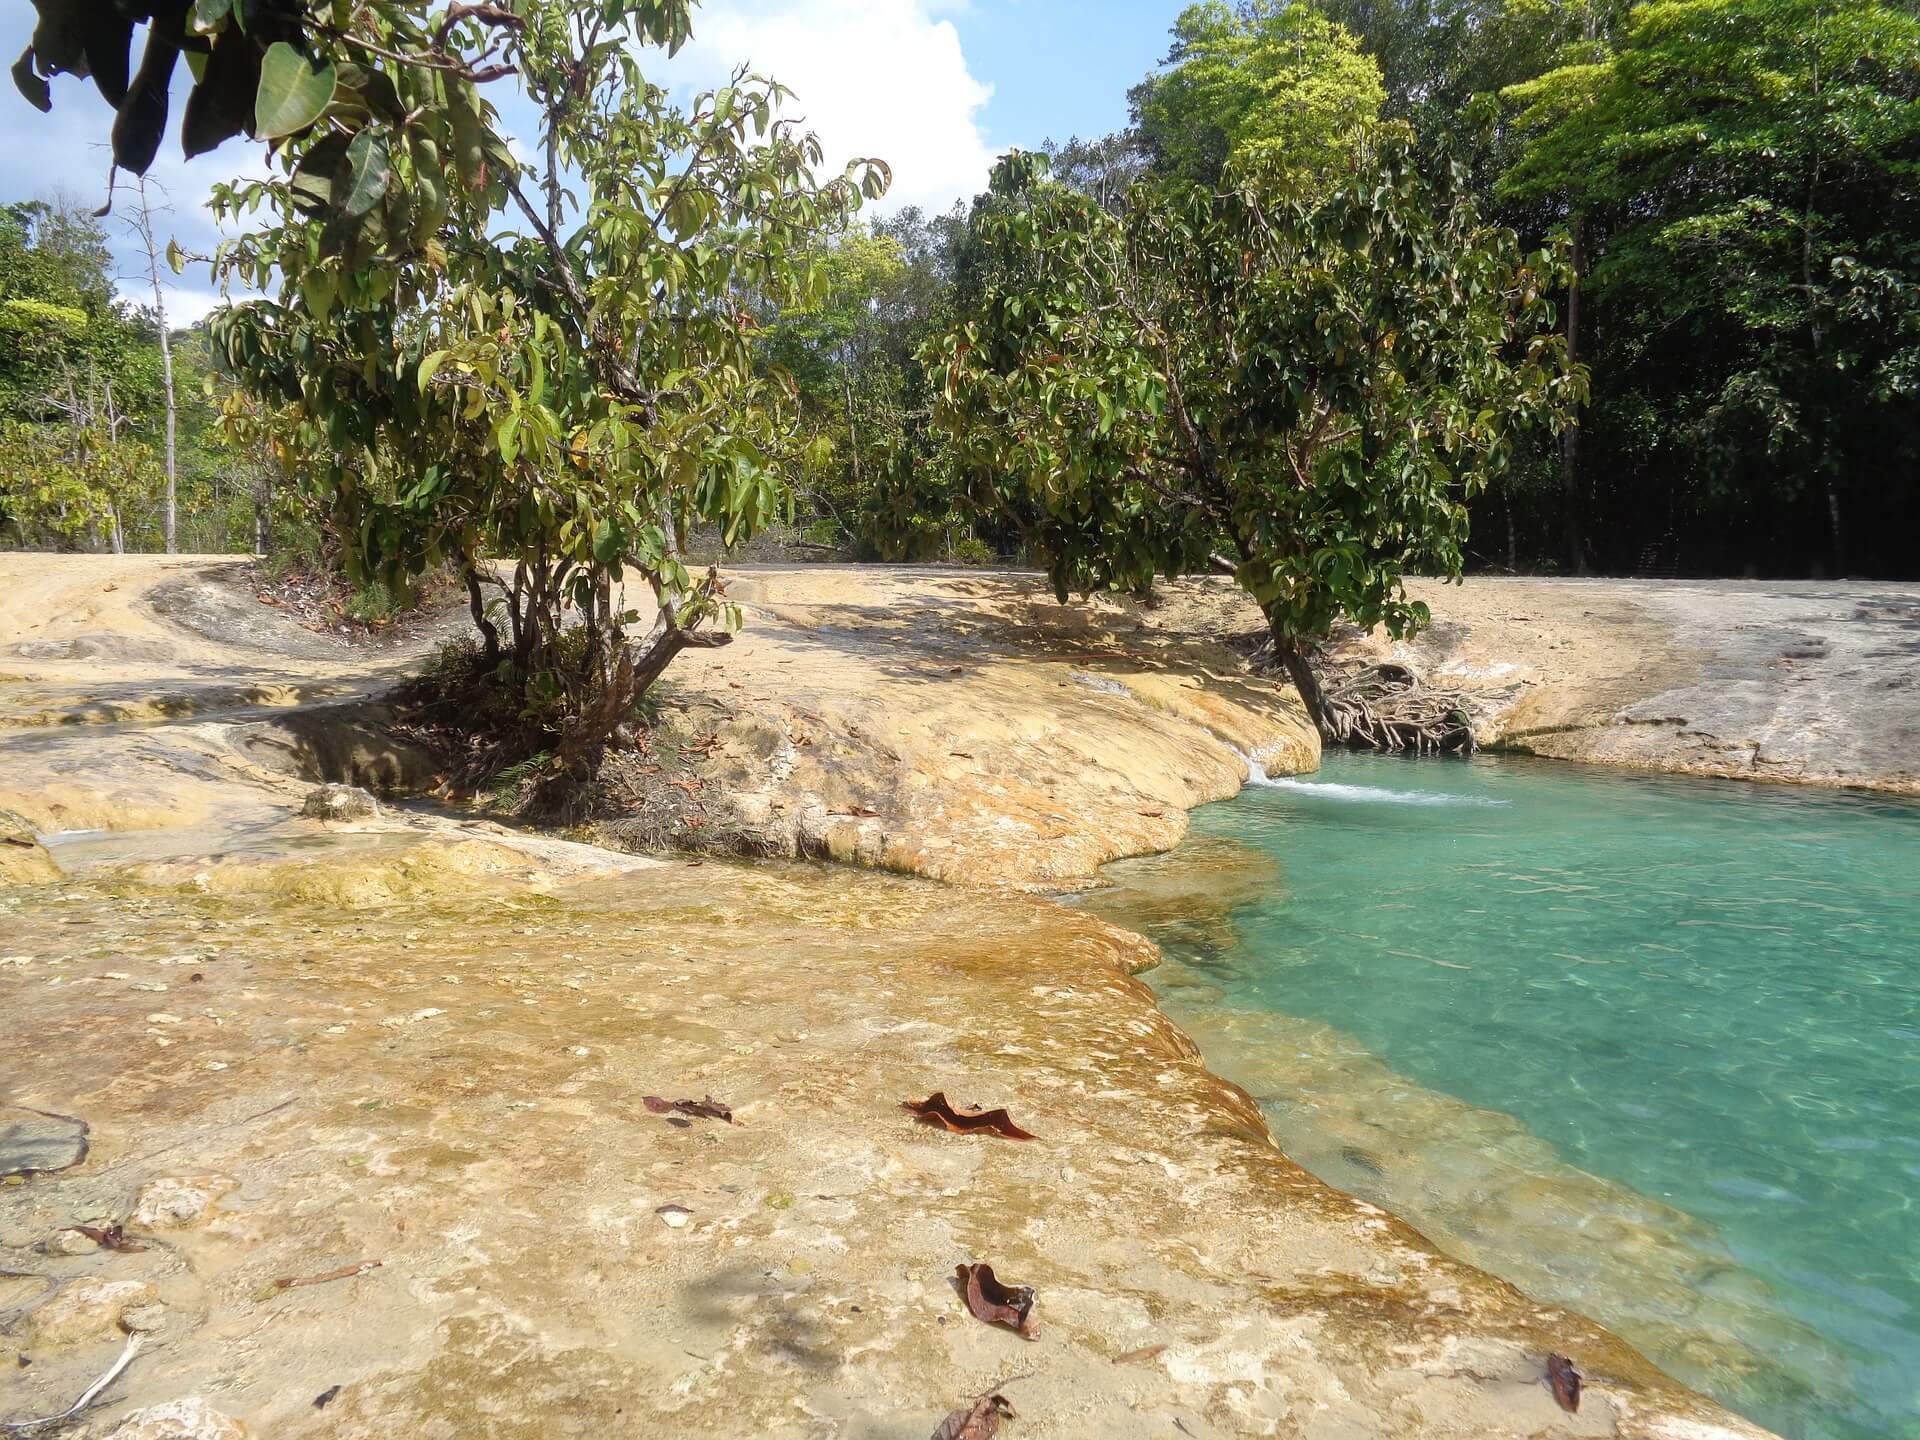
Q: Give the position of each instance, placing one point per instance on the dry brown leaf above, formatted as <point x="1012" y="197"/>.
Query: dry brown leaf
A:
<point x="936" y="1110"/>
<point x="998" y="1304"/>
<point x="979" y="1421"/>
<point x="110" y="1237"/>
<point x="707" y="1109"/>
<point x="1565" y="1381"/>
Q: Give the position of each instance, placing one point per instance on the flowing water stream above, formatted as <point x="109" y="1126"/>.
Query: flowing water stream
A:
<point x="1648" y="1047"/>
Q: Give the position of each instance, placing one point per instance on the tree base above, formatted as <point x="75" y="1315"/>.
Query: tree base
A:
<point x="1387" y="707"/>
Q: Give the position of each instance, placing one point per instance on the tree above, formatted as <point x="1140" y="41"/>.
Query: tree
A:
<point x="142" y="227"/>
<point x="1303" y="392"/>
<point x="549" y="364"/>
<point x="1270" y="82"/>
<point x="1756" y="159"/>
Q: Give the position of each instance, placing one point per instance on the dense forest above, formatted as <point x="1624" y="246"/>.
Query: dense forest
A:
<point x="96" y="415"/>
<point x="1735" y="188"/>
<point x="1729" y="184"/>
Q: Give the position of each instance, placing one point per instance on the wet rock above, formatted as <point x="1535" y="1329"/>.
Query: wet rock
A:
<point x="85" y="1310"/>
<point x="179" y="1201"/>
<point x="187" y="1419"/>
<point x="339" y="802"/>
<point x="23" y="860"/>
<point x="35" y="1143"/>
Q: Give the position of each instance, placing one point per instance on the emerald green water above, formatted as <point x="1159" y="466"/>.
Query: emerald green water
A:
<point x="1649" y="1046"/>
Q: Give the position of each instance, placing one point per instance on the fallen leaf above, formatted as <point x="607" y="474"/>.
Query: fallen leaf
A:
<point x="111" y="1237"/>
<point x="325" y="1397"/>
<point x="1145" y="1352"/>
<point x="1565" y="1381"/>
<point x="979" y="1421"/>
<point x="997" y="1304"/>
<point x="960" y="754"/>
<point x="935" y="1110"/>
<point x="707" y="1109"/>
<point x="858" y="812"/>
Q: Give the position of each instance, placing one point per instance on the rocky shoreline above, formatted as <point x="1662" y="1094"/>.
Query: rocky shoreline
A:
<point x="303" y="1046"/>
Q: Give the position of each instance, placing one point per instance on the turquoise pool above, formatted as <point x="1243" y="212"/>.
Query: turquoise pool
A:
<point x="1648" y="1046"/>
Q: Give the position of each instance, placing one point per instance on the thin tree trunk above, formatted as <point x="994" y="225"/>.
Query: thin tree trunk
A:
<point x="262" y="514"/>
<point x="1817" y="335"/>
<point x="477" y="606"/>
<point x="1288" y="652"/>
<point x="1572" y="498"/>
<point x="143" y="228"/>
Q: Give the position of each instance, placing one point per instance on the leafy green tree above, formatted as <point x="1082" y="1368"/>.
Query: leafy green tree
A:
<point x="548" y="365"/>
<point x="1754" y="162"/>
<point x="1268" y="82"/>
<point x="1303" y="393"/>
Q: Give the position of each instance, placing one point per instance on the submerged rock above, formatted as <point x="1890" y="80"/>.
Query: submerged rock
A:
<point x="180" y="1201"/>
<point x="84" y="1310"/>
<point x="33" y="1142"/>
<point x="187" y="1419"/>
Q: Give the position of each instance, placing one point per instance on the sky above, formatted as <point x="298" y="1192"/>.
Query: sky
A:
<point x="937" y="88"/>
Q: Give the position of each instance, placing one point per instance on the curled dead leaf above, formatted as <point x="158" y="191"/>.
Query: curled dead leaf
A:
<point x="936" y="1110"/>
<point x="998" y="1304"/>
<point x="707" y="1109"/>
<point x="1565" y="1381"/>
<point x="979" y="1421"/>
<point x="109" y="1237"/>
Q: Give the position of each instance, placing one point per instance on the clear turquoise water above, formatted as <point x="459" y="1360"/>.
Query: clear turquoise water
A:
<point x="1704" y="992"/>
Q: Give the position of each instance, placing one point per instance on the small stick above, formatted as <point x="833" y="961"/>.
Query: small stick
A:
<point x="126" y="1358"/>
<point x="345" y="1272"/>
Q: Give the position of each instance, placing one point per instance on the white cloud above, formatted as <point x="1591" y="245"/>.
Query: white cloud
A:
<point x="883" y="78"/>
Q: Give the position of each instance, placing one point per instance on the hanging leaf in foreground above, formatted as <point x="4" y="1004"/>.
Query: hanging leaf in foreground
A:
<point x="995" y="1303"/>
<point x="935" y="1110"/>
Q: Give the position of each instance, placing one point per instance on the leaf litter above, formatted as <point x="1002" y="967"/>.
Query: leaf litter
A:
<point x="996" y="1303"/>
<point x="937" y="1110"/>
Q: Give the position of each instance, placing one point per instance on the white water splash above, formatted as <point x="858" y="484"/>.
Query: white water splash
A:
<point x="1361" y="794"/>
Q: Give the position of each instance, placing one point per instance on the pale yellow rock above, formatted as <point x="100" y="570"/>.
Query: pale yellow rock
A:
<point x="179" y="1201"/>
<point x="84" y="1310"/>
<point x="188" y="1419"/>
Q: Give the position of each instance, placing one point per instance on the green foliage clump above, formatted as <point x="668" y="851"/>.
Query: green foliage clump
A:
<point x="1306" y="392"/>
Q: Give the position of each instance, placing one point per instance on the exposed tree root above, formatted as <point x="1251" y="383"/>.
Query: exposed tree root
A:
<point x="1384" y="706"/>
<point x="1387" y="707"/>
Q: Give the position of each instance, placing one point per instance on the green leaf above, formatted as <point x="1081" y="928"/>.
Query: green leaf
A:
<point x="429" y="367"/>
<point x="469" y="135"/>
<point x="39" y="94"/>
<point x="292" y="93"/>
<point x="367" y="158"/>
<point x="208" y="14"/>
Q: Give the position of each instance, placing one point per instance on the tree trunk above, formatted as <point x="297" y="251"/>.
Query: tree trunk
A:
<point x="143" y="227"/>
<point x="478" y="608"/>
<point x="263" y="515"/>
<point x="1571" y="498"/>
<point x="1288" y="652"/>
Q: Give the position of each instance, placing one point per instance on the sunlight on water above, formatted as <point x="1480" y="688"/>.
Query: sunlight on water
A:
<point x="1646" y="1046"/>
